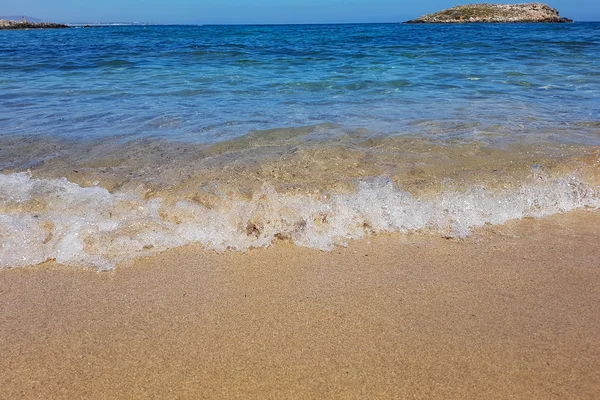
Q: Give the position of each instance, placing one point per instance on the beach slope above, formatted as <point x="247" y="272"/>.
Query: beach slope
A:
<point x="511" y="312"/>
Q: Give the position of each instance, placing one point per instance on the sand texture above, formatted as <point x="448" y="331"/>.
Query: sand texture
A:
<point x="511" y="312"/>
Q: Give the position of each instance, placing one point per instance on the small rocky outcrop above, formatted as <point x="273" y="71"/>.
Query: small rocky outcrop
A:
<point x="8" y="24"/>
<point x="498" y="13"/>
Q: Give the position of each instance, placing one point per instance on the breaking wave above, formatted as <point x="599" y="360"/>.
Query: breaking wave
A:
<point x="54" y="219"/>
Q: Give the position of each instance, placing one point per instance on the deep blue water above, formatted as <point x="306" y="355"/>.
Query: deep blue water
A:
<point x="212" y="83"/>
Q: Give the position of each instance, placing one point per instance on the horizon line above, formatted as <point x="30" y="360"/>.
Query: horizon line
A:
<point x="129" y="23"/>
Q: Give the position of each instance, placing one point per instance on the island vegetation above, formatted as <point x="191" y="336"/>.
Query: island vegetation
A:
<point x="498" y="13"/>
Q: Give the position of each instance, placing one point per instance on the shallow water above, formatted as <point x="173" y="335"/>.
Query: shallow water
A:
<point x="118" y="142"/>
<point x="211" y="83"/>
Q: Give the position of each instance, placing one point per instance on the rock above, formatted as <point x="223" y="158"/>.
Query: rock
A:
<point x="499" y="13"/>
<point x="8" y="24"/>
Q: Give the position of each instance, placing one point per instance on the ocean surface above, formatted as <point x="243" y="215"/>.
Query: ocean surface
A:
<point x="122" y="141"/>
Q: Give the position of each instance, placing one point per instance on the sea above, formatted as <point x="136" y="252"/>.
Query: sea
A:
<point x="118" y="142"/>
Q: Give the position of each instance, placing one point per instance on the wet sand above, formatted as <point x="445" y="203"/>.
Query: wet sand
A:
<point x="511" y="312"/>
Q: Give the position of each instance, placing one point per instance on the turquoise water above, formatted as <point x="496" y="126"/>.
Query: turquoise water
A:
<point x="212" y="83"/>
<point x="120" y="142"/>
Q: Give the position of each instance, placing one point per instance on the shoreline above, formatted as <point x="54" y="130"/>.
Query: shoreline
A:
<point x="510" y="311"/>
<point x="102" y="204"/>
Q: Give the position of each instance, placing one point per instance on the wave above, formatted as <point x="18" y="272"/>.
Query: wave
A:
<point x="55" y="219"/>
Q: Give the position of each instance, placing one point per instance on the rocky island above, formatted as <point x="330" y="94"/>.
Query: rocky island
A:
<point x="23" y="24"/>
<point x="498" y="13"/>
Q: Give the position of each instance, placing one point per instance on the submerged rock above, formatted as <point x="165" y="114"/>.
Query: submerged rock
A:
<point x="499" y="13"/>
<point x="8" y="24"/>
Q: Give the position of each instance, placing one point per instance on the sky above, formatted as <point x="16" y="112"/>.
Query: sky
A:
<point x="257" y="11"/>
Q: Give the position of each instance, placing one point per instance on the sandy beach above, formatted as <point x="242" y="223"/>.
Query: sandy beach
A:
<point x="285" y="210"/>
<point x="511" y="312"/>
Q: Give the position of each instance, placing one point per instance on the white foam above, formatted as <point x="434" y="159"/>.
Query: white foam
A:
<point x="44" y="219"/>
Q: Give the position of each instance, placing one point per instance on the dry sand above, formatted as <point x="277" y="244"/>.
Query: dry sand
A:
<point x="513" y="312"/>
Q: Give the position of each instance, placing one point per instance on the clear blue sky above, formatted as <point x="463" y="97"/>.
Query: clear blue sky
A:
<point x="257" y="11"/>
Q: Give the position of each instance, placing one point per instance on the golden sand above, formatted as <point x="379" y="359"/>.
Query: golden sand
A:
<point x="512" y="312"/>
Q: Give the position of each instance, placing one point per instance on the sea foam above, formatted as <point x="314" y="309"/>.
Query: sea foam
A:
<point x="46" y="219"/>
